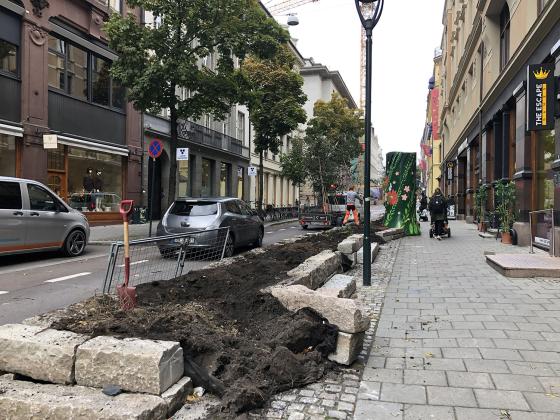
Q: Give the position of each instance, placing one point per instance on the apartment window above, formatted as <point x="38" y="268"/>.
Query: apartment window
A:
<point x="504" y="36"/>
<point x="206" y="187"/>
<point x="116" y="5"/>
<point x="225" y="126"/>
<point x="240" y="126"/>
<point x="8" y="57"/>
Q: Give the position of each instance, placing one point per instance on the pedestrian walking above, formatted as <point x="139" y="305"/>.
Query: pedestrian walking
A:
<point x="423" y="202"/>
<point x="351" y="197"/>
<point x="438" y="212"/>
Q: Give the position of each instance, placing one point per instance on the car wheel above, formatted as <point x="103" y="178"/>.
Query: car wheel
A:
<point x="304" y="227"/>
<point x="259" y="241"/>
<point x="75" y="243"/>
<point x="449" y="232"/>
<point x="431" y="233"/>
<point x="230" y="246"/>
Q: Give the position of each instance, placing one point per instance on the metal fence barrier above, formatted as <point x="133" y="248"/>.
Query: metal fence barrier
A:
<point x="164" y="257"/>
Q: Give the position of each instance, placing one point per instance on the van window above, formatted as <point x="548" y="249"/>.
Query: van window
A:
<point x="41" y="200"/>
<point x="10" y="196"/>
<point x="194" y="208"/>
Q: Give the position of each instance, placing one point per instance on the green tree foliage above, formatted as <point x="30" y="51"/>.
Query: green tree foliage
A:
<point x="331" y="142"/>
<point x="293" y="163"/>
<point x="275" y="100"/>
<point x="155" y="61"/>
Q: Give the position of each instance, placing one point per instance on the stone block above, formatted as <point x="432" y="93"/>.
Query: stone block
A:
<point x="175" y="396"/>
<point x="346" y="314"/>
<point x="339" y="285"/>
<point x="348" y="348"/>
<point x="135" y="365"/>
<point x="28" y="400"/>
<point x="315" y="270"/>
<point x="392" y="233"/>
<point x="374" y="252"/>
<point x="43" y="354"/>
<point x="351" y="244"/>
<point x="348" y="260"/>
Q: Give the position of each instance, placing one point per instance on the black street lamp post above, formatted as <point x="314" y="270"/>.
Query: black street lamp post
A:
<point x="370" y="13"/>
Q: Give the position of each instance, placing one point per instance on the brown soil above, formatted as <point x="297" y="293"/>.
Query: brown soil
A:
<point x="239" y="343"/>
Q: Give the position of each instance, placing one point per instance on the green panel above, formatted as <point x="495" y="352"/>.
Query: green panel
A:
<point x="400" y="197"/>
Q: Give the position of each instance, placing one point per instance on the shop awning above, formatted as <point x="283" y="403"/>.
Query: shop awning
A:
<point x="11" y="130"/>
<point x="99" y="147"/>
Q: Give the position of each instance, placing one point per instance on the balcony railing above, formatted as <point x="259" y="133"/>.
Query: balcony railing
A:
<point x="197" y="133"/>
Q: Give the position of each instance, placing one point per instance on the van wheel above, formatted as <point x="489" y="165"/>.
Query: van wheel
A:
<point x="75" y="243"/>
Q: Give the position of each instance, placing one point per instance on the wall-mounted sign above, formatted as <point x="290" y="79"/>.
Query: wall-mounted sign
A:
<point x="450" y="166"/>
<point x="540" y="97"/>
<point x="435" y="113"/>
<point x="155" y="149"/>
<point x="182" y="153"/>
<point x="252" y="171"/>
<point x="50" y="141"/>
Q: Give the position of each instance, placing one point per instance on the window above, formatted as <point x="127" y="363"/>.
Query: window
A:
<point x="8" y="57"/>
<point x="195" y="208"/>
<point x="40" y="199"/>
<point x="232" y="207"/>
<point x="240" y="126"/>
<point x="116" y="5"/>
<point x="225" y="170"/>
<point x="183" y="180"/>
<point x="541" y="5"/>
<point x="7" y="155"/>
<point x="206" y="187"/>
<point x="240" y="176"/>
<point x="75" y="71"/>
<point x="10" y="196"/>
<point x="504" y="36"/>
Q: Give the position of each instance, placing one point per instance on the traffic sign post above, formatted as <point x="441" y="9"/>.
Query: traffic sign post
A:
<point x="154" y="150"/>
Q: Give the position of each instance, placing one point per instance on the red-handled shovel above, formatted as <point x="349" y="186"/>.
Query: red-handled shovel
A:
<point x="127" y="294"/>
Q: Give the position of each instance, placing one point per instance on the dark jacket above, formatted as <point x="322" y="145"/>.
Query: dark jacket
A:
<point x="435" y="213"/>
<point x="423" y="202"/>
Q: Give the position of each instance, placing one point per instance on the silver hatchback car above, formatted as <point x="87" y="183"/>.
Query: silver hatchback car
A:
<point x="209" y="214"/>
<point x="33" y="218"/>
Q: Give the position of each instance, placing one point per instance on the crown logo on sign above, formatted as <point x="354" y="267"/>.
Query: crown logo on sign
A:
<point x="541" y="75"/>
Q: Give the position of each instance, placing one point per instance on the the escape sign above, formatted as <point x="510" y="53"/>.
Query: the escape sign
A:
<point x="540" y="97"/>
<point x="155" y="149"/>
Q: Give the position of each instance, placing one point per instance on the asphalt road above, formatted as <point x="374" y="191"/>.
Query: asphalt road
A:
<point x="33" y="284"/>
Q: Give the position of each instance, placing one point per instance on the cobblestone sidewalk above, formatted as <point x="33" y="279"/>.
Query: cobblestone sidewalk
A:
<point x="335" y="396"/>
<point x="456" y="340"/>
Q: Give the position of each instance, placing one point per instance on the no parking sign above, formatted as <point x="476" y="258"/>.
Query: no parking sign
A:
<point x="155" y="149"/>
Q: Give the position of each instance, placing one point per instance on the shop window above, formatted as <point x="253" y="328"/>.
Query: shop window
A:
<point x="545" y="174"/>
<point x="183" y="167"/>
<point x="10" y="196"/>
<point x="94" y="180"/>
<point x="240" y="183"/>
<point x="7" y="155"/>
<point x="8" y="57"/>
<point x="225" y="169"/>
<point x="206" y="185"/>
<point x="504" y="36"/>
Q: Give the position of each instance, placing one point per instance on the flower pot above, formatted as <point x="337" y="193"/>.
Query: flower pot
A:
<point x="506" y="238"/>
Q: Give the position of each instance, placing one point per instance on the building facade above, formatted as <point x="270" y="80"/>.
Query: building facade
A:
<point x="319" y="85"/>
<point x="430" y="146"/>
<point x="487" y="48"/>
<point x="54" y="80"/>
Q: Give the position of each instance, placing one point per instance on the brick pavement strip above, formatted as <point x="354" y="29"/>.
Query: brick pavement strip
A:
<point x="459" y="341"/>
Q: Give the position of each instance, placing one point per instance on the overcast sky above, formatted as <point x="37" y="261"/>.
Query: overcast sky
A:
<point x="403" y="50"/>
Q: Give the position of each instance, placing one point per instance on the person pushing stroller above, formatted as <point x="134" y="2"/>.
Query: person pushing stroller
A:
<point x="438" y="212"/>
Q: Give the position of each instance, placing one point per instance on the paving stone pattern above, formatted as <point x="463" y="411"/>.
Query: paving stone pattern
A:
<point x="335" y="396"/>
<point x="456" y="340"/>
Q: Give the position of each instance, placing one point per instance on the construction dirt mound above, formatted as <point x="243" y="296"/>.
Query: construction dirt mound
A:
<point x="239" y="343"/>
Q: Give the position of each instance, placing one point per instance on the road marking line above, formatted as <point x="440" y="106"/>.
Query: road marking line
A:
<point x="294" y="227"/>
<point x="282" y="229"/>
<point x="72" y="276"/>
<point x="134" y="263"/>
<point x="3" y="292"/>
<point x="270" y="231"/>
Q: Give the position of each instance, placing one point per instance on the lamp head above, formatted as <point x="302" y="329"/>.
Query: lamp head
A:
<point x="369" y="12"/>
<point x="293" y="20"/>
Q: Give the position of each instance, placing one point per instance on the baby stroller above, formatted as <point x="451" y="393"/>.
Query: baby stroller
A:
<point x="446" y="229"/>
<point x="423" y="215"/>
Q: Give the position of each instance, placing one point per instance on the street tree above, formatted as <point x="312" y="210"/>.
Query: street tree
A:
<point x="293" y="163"/>
<point x="158" y="61"/>
<point x="275" y="100"/>
<point x="331" y="142"/>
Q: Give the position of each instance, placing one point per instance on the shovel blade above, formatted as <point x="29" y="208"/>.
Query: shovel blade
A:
<point x="127" y="297"/>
